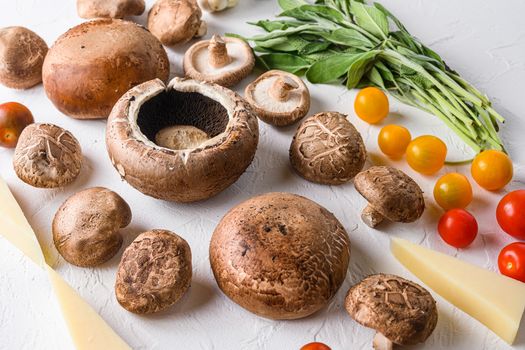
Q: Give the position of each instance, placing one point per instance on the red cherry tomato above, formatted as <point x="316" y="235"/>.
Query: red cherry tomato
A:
<point x="511" y="214"/>
<point x="458" y="228"/>
<point x="511" y="261"/>
<point x="315" y="346"/>
<point x="14" y="117"/>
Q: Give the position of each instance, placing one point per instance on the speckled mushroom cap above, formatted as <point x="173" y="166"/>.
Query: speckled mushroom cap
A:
<point x="47" y="156"/>
<point x="86" y="226"/>
<point x="224" y="61"/>
<point x="327" y="149"/>
<point x="154" y="272"/>
<point x="280" y="255"/>
<point x="391" y="193"/>
<point x="22" y="54"/>
<point x="176" y="21"/>
<point x="401" y="310"/>
<point x="110" y="8"/>
<point x="279" y="98"/>
<point x="181" y="175"/>
<point x="93" y="64"/>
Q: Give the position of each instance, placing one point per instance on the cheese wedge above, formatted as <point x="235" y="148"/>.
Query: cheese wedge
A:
<point x="493" y="299"/>
<point x="87" y="329"/>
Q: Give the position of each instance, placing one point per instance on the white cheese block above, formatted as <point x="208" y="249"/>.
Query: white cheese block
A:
<point x="495" y="300"/>
<point x="87" y="329"/>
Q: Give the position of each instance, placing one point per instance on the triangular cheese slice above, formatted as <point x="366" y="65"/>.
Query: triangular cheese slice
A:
<point x="495" y="300"/>
<point x="87" y="329"/>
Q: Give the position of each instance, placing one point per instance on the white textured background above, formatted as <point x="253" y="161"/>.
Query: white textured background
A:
<point x="483" y="40"/>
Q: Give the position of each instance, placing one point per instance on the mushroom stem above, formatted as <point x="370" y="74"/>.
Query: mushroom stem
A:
<point x="381" y="342"/>
<point x="281" y="89"/>
<point x="371" y="217"/>
<point x="218" y="52"/>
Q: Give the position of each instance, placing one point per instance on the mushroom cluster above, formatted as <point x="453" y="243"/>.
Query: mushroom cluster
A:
<point x="110" y="8"/>
<point x="327" y="149"/>
<point x="402" y="312"/>
<point x="47" y="156"/>
<point x="86" y="226"/>
<point x="22" y="54"/>
<point x="176" y="21"/>
<point x="391" y="194"/>
<point x="93" y="64"/>
<point x="280" y="255"/>
<point x="183" y="142"/>
<point x="223" y="61"/>
<point x="279" y="98"/>
<point x="154" y="273"/>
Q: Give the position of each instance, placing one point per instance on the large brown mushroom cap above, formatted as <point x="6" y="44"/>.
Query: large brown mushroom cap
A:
<point x="176" y="21"/>
<point x="47" y="156"/>
<point x="391" y="194"/>
<point x="280" y="255"/>
<point x="154" y="273"/>
<point x="22" y="55"/>
<point x="86" y="226"/>
<point x="93" y="64"/>
<point x="279" y="98"/>
<point x="400" y="310"/>
<point x="327" y="149"/>
<point x="182" y="175"/>
<point x="223" y="61"/>
<point x="110" y="8"/>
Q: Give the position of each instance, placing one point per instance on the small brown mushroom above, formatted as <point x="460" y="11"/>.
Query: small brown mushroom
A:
<point x="198" y="137"/>
<point x="280" y="255"/>
<point x="178" y="137"/>
<point x="154" y="273"/>
<point x="279" y="98"/>
<point x="86" y="227"/>
<point x="217" y="5"/>
<point x="176" y="21"/>
<point x="327" y="149"/>
<point x="93" y="64"/>
<point x="22" y="54"/>
<point x="223" y="61"/>
<point x="110" y="8"/>
<point x="391" y="194"/>
<point x="402" y="312"/>
<point x="47" y="156"/>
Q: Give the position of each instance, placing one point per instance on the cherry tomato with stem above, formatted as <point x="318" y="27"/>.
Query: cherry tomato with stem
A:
<point x="511" y="261"/>
<point x="510" y="214"/>
<point x="315" y="346"/>
<point x="453" y="190"/>
<point x="14" y="117"/>
<point x="371" y="105"/>
<point x="393" y="140"/>
<point x="492" y="170"/>
<point x="426" y="154"/>
<point x="458" y="228"/>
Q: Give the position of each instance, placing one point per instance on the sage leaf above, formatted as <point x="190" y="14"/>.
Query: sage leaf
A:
<point x="314" y="47"/>
<point x="375" y="77"/>
<point x="286" y="62"/>
<point x="359" y="67"/>
<point x="370" y="18"/>
<point x="290" y="4"/>
<point x="347" y="37"/>
<point x="330" y="69"/>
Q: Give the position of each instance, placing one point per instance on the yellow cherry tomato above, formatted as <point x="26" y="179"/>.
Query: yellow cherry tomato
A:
<point x="371" y="105"/>
<point x="453" y="191"/>
<point x="393" y="140"/>
<point x="492" y="170"/>
<point x="426" y="154"/>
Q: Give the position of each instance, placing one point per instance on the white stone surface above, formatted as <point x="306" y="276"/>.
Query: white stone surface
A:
<point x="483" y="40"/>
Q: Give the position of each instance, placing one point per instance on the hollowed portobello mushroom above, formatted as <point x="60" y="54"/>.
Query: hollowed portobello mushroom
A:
<point x="196" y="166"/>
